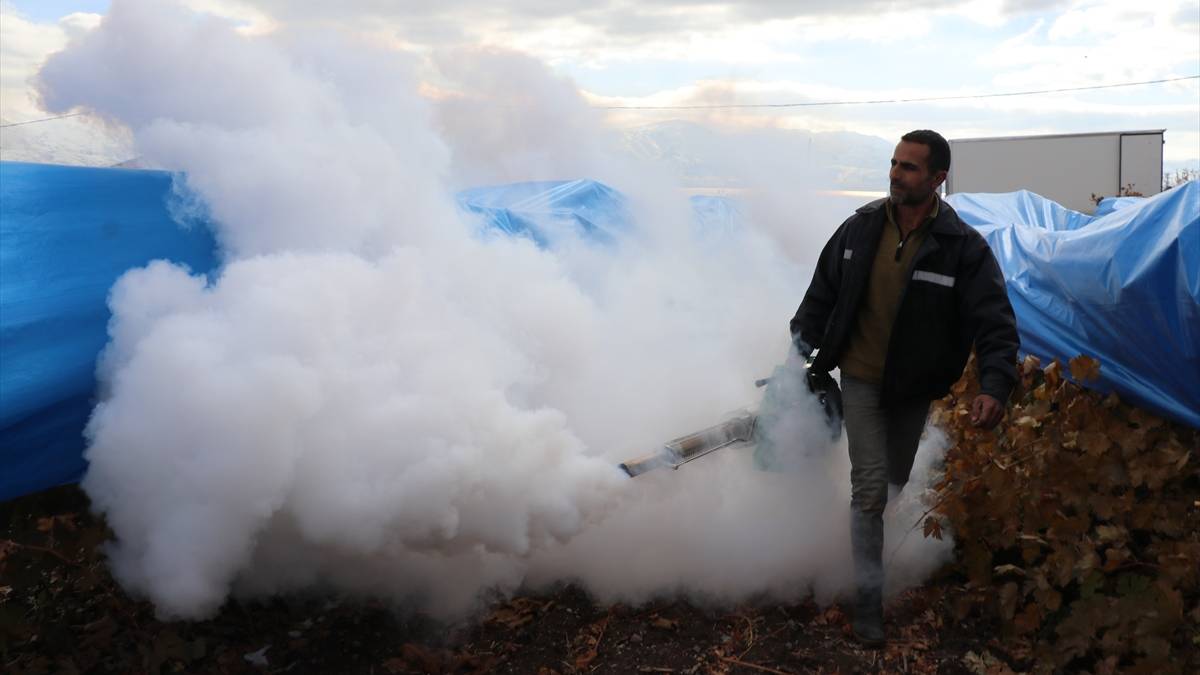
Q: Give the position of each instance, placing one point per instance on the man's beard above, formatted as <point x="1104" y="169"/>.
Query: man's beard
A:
<point x="898" y="196"/>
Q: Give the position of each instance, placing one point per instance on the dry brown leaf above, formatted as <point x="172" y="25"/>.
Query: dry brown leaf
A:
<point x="585" y="659"/>
<point x="1085" y="369"/>
<point x="7" y="546"/>
<point x="1028" y="619"/>
<point x="516" y="613"/>
<point x="395" y="665"/>
<point x="1111" y="533"/>
<point x="1001" y="570"/>
<point x="1053" y="375"/>
<point x="933" y="528"/>
<point x="1009" y="594"/>
<point x="422" y="658"/>
<point x="1093" y="442"/>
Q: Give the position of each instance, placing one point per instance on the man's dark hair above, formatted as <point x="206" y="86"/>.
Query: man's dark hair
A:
<point x="939" y="149"/>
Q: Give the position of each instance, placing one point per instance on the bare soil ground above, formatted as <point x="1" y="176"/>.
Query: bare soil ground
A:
<point x="61" y="612"/>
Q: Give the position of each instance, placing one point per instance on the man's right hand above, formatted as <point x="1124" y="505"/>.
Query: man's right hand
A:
<point x="986" y="411"/>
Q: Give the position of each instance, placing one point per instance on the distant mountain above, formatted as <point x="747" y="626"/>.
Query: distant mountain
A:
<point x="703" y="156"/>
<point x="80" y="141"/>
<point x="711" y="156"/>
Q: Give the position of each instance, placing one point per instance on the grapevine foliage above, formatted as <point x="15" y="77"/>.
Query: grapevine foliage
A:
<point x="1077" y="524"/>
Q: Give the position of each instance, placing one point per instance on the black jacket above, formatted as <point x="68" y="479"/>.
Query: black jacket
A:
<point x="955" y="297"/>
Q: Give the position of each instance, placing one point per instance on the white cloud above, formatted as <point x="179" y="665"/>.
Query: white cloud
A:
<point x="605" y="45"/>
<point x="1099" y="43"/>
<point x="24" y="45"/>
<point x="248" y="19"/>
<point x="597" y="33"/>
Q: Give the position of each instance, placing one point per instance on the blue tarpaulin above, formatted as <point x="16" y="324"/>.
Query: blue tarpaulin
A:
<point x="1123" y="287"/>
<point x="546" y="211"/>
<point x="66" y="234"/>
<point x="543" y="210"/>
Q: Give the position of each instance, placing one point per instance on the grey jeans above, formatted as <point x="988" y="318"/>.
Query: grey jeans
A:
<point x="883" y="443"/>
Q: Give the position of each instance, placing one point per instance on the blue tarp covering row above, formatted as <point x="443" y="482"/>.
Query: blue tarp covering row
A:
<point x="66" y="234"/>
<point x="1124" y="287"/>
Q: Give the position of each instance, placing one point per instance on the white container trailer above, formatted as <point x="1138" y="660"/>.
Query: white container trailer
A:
<point x="1068" y="168"/>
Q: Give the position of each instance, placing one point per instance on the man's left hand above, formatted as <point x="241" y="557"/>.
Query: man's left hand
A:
<point x="986" y="411"/>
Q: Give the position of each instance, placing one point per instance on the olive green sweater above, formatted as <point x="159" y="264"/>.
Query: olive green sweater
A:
<point x="867" y="349"/>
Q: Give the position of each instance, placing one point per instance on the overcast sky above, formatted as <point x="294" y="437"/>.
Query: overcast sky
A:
<point x="689" y="52"/>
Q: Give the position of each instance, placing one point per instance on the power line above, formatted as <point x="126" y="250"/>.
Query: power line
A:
<point x="726" y="106"/>
<point x="44" y="119"/>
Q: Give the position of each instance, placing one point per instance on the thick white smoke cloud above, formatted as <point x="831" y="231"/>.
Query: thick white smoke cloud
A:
<point x="320" y="149"/>
<point x="370" y="395"/>
<point x="343" y="396"/>
<point x="509" y="119"/>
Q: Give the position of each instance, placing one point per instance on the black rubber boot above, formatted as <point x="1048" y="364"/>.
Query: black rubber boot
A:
<point x="868" y="618"/>
<point x="866" y="539"/>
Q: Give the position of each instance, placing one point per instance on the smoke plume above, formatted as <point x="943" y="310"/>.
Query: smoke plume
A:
<point x="373" y="395"/>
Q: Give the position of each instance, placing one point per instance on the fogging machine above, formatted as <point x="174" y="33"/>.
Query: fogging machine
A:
<point x="782" y="397"/>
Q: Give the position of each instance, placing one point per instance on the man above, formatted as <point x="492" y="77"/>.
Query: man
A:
<point x="902" y="292"/>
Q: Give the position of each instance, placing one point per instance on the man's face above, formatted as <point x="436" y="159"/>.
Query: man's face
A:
<point x="911" y="182"/>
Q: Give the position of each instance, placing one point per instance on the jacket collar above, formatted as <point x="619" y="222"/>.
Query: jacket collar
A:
<point x="946" y="222"/>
